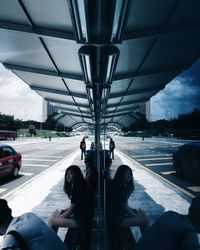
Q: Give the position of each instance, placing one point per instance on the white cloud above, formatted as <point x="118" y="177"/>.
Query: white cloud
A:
<point x="175" y="99"/>
<point x="16" y="98"/>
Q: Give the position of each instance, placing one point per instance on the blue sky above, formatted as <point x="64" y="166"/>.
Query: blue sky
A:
<point x="180" y="96"/>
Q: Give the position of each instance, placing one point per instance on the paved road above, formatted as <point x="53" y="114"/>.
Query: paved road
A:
<point x="43" y="193"/>
<point x="37" y="156"/>
<point x="155" y="154"/>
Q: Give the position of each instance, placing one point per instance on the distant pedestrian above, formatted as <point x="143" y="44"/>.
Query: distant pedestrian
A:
<point x="83" y="148"/>
<point x="111" y="148"/>
<point x="27" y="231"/>
<point x="174" y="231"/>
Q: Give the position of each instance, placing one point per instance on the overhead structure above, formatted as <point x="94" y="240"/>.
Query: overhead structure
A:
<point x="98" y="61"/>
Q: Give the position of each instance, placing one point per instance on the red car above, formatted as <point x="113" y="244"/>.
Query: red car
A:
<point x="10" y="161"/>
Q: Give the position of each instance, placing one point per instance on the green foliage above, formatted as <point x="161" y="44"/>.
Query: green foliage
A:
<point x="188" y="123"/>
<point x="7" y="122"/>
<point x="42" y="133"/>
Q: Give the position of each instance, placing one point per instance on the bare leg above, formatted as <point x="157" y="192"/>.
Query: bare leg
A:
<point x="55" y="223"/>
<point x="133" y="221"/>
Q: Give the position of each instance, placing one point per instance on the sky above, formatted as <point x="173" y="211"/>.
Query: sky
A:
<point x="16" y="98"/>
<point x="180" y="96"/>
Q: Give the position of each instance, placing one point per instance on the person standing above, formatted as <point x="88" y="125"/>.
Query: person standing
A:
<point x="27" y="231"/>
<point x="111" y="148"/>
<point x="83" y="148"/>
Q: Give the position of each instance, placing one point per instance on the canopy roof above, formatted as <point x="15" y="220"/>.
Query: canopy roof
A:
<point x="98" y="60"/>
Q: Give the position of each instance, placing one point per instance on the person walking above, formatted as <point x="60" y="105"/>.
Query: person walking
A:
<point x="174" y="231"/>
<point x="111" y="148"/>
<point x="26" y="231"/>
<point x="83" y="148"/>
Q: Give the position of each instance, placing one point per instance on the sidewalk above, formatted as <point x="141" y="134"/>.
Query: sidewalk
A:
<point x="151" y="195"/>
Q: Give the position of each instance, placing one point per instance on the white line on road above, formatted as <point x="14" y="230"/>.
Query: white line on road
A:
<point x="158" y="164"/>
<point x="195" y="188"/>
<point x="26" y="174"/>
<point x="151" y="155"/>
<point x="43" y="156"/>
<point x="29" y="159"/>
<point x="153" y="159"/>
<point x="2" y="190"/>
<point x="34" y="165"/>
<point x="168" y="172"/>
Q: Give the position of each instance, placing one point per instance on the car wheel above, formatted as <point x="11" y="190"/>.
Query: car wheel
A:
<point x="15" y="172"/>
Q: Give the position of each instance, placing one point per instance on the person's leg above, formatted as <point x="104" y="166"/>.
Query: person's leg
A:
<point x="112" y="154"/>
<point x="84" y="153"/>
<point x="81" y="154"/>
<point x="133" y="221"/>
<point x="57" y="222"/>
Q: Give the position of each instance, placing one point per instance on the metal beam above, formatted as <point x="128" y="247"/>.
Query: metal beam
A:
<point x="78" y="124"/>
<point x="37" y="31"/>
<point x="142" y="100"/>
<point x="174" y="69"/>
<point x="44" y="32"/>
<point x="43" y="72"/>
<point x="66" y="103"/>
<point x="55" y="91"/>
<point x="134" y="92"/>
<point x="72" y="110"/>
<point x="77" y="115"/>
<point x="115" y="115"/>
<point x="161" y="31"/>
<point x="122" y="110"/>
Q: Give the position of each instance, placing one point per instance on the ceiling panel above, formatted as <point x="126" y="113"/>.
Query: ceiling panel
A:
<point x="71" y="65"/>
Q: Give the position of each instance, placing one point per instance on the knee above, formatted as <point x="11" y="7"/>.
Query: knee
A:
<point x="51" y="222"/>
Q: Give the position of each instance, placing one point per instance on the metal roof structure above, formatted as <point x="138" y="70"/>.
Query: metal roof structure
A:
<point x="98" y="61"/>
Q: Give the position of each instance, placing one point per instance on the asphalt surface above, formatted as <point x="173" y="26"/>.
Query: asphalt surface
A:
<point x="43" y="193"/>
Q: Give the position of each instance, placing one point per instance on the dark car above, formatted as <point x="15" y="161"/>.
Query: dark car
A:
<point x="10" y="161"/>
<point x="186" y="161"/>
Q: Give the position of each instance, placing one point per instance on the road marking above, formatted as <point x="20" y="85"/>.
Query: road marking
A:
<point x="35" y="165"/>
<point x="158" y="164"/>
<point x="2" y="190"/>
<point x="43" y="156"/>
<point x="168" y="172"/>
<point x="151" y="155"/>
<point x="153" y="159"/>
<point x="26" y="174"/>
<point x="37" y="160"/>
<point x="195" y="188"/>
